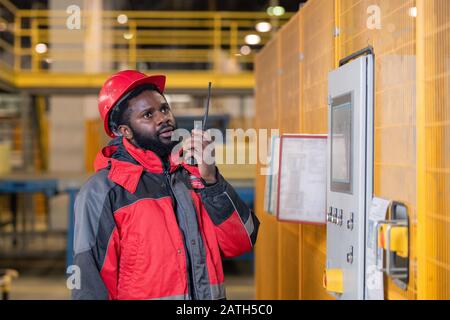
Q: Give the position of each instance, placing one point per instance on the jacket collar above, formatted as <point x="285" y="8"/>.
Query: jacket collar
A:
<point x="148" y="159"/>
<point x="127" y="162"/>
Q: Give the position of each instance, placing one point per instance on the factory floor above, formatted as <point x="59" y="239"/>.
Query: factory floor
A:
<point x="43" y="280"/>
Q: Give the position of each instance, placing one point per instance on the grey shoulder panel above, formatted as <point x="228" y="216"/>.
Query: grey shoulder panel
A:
<point x="91" y="202"/>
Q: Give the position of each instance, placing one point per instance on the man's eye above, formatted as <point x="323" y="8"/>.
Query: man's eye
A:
<point x="165" y="109"/>
<point x="147" y="115"/>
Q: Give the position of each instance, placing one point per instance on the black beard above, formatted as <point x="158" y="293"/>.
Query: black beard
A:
<point x="153" y="143"/>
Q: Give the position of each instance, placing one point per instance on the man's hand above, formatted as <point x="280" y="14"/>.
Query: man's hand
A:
<point x="201" y="147"/>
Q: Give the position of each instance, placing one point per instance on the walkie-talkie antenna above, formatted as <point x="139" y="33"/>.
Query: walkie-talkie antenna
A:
<point x="205" y="118"/>
<point x="191" y="161"/>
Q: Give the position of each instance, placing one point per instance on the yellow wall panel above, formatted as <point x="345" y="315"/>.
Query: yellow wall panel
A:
<point x="317" y="30"/>
<point x="266" y="256"/>
<point x="289" y="275"/>
<point x="267" y="86"/>
<point x="318" y="60"/>
<point x="412" y="131"/>
<point x="290" y="76"/>
<point x="433" y="169"/>
<point x="313" y="263"/>
<point x="94" y="130"/>
<point x="302" y="63"/>
<point x="289" y="98"/>
<point x="395" y="88"/>
<point x="266" y="102"/>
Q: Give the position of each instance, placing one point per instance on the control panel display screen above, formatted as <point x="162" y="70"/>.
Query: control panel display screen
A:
<point x="341" y="144"/>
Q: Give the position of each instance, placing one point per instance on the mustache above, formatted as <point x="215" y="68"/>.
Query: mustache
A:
<point x="164" y="127"/>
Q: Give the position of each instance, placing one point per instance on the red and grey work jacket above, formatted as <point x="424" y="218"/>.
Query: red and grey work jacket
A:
<point x="146" y="232"/>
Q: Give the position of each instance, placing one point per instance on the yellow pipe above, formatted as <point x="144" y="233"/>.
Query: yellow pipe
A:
<point x="166" y="56"/>
<point x="159" y="14"/>
<point x="171" y="34"/>
<point x="156" y="39"/>
<point x="175" y="80"/>
<point x="150" y="22"/>
<point x="171" y="52"/>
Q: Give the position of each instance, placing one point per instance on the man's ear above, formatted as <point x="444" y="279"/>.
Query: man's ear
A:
<point x="126" y="131"/>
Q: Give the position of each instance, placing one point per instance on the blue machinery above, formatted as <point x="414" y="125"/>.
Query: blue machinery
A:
<point x="47" y="186"/>
<point x="50" y="187"/>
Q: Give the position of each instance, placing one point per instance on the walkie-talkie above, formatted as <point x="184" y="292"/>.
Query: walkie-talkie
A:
<point x="192" y="160"/>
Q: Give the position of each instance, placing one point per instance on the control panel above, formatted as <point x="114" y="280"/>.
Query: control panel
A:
<point x="349" y="175"/>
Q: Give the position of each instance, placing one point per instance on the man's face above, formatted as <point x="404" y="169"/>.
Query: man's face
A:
<point x="151" y="123"/>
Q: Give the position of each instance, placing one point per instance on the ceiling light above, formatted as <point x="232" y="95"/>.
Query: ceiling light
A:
<point x="122" y="18"/>
<point x="252" y="39"/>
<point x="413" y="12"/>
<point x="128" y="36"/>
<point x="263" y="26"/>
<point x="245" y="50"/>
<point x="278" y="11"/>
<point x="41" y="48"/>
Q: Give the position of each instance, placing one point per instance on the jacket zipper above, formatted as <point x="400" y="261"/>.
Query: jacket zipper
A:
<point x="174" y="201"/>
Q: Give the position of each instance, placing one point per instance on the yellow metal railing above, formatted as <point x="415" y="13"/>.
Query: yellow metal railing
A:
<point x="148" y="40"/>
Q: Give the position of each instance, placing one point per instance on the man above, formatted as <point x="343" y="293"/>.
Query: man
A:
<point x="146" y="226"/>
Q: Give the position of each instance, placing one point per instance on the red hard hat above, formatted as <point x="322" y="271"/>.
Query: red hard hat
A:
<point x="118" y="85"/>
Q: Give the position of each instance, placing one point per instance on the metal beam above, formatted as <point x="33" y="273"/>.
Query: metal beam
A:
<point x="176" y="81"/>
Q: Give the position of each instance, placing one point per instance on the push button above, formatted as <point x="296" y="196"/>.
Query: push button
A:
<point x="350" y="255"/>
<point x="340" y="217"/>
<point x="333" y="280"/>
<point x="330" y="214"/>
<point x="350" y="222"/>
<point x="335" y="213"/>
